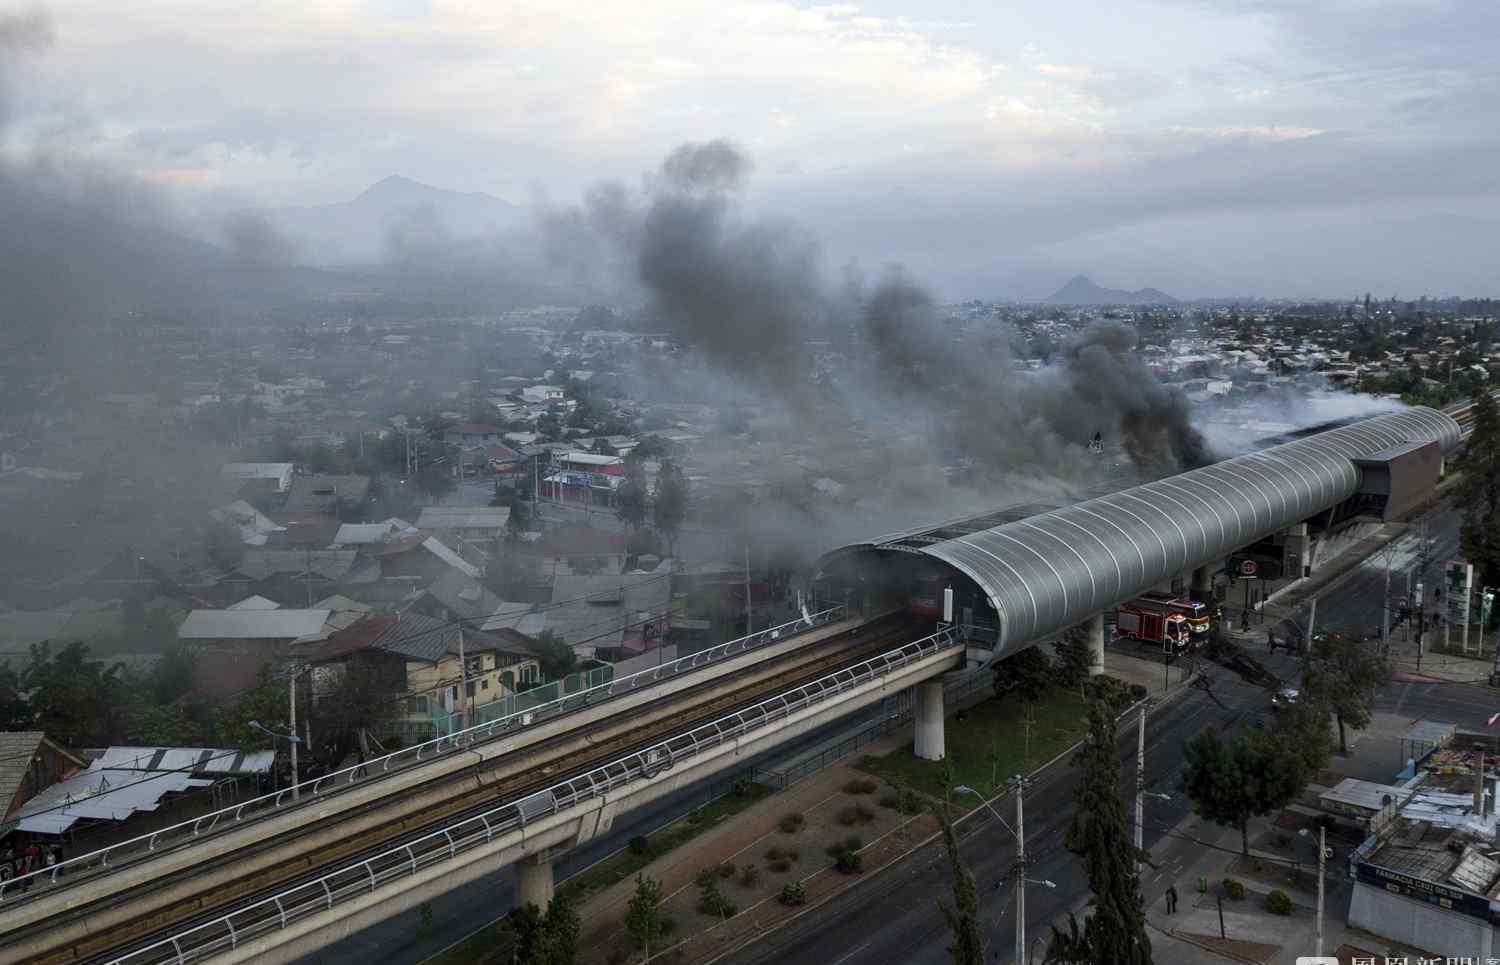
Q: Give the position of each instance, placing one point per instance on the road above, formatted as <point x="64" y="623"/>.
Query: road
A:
<point x="893" y="917"/>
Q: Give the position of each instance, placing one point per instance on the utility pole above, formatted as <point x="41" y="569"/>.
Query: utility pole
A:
<point x="1322" y="864"/>
<point x="1020" y="785"/>
<point x="1385" y="606"/>
<point x="292" y="714"/>
<point x="1140" y="788"/>
<point x="463" y="675"/>
<point x="1312" y="619"/>
<point x="749" y="628"/>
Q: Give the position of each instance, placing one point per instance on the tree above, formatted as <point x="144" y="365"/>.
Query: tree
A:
<point x="434" y="482"/>
<point x="549" y="938"/>
<point x="642" y="542"/>
<point x="266" y="702"/>
<point x="1302" y="732"/>
<point x="1029" y="673"/>
<point x="671" y="504"/>
<point x="1074" y="659"/>
<point x="1115" y="934"/>
<point x="643" y="919"/>
<point x="963" y="917"/>
<point x="173" y="674"/>
<point x="76" y="701"/>
<point x="631" y="503"/>
<point x="1478" y="491"/>
<point x="1229" y="782"/>
<point x="555" y="656"/>
<point x="1344" y="674"/>
<point x="15" y="711"/>
<point x="362" y="696"/>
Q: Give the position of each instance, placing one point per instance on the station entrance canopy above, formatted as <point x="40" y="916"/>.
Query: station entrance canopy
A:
<point x="1048" y="571"/>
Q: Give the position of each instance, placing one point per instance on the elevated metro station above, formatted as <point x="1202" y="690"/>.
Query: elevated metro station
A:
<point x="1018" y="575"/>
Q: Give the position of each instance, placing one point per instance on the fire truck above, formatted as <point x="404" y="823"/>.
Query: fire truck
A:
<point x="1151" y="624"/>
<point x="1198" y="615"/>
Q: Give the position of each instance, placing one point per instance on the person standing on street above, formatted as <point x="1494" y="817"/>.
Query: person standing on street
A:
<point x="1171" y="897"/>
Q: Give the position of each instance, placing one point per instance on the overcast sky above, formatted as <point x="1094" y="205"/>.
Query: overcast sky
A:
<point x="1216" y="147"/>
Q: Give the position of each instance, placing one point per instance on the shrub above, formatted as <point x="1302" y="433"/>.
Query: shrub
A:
<point x="704" y="878"/>
<point x="1137" y="692"/>
<point x="782" y="854"/>
<point x="851" y="843"/>
<point x="743" y="787"/>
<point x="849" y="863"/>
<point x="668" y="926"/>
<point x="1277" y="903"/>
<point x="791" y="823"/>
<point x="910" y="802"/>
<point x="890" y="801"/>
<point x="639" y="845"/>
<point x="749" y="875"/>
<point x="780" y="865"/>
<point x="726" y="870"/>
<point x="860" y="785"/>
<point x="711" y="900"/>
<point x="1233" y="889"/>
<point x="793" y="893"/>
<point x="696" y="816"/>
<point x="855" y="814"/>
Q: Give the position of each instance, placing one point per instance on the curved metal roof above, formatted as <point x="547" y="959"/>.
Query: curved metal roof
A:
<point x="1054" y="569"/>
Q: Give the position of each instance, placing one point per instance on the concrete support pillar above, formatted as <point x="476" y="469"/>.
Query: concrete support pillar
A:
<point x="929" y="740"/>
<point x="534" y="884"/>
<point x="1296" y="557"/>
<point x="1095" y="626"/>
<point x="1203" y="581"/>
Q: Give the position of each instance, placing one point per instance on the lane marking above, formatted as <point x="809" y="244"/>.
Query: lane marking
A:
<point x="852" y="954"/>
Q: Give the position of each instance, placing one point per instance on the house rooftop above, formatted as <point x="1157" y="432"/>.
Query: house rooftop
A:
<point x="251" y="624"/>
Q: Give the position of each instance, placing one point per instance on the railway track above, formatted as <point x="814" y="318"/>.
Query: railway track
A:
<point x="309" y="863"/>
<point x="398" y="766"/>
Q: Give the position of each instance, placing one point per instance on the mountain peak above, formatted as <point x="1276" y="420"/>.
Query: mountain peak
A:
<point x="396" y="187"/>
<point x="1082" y="290"/>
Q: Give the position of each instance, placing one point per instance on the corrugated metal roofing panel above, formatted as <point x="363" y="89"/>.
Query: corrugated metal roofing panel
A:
<point x="251" y="624"/>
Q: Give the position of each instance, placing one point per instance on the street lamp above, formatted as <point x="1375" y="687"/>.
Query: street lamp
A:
<point x="293" y="740"/>
<point x="1018" y="787"/>
<point x="1322" y="863"/>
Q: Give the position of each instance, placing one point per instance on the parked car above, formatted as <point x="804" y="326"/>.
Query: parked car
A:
<point x="1285" y="697"/>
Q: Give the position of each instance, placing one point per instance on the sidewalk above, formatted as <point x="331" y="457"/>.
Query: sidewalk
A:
<point x="1198" y="849"/>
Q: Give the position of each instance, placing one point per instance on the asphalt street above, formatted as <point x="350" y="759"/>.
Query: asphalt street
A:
<point x="893" y="917"/>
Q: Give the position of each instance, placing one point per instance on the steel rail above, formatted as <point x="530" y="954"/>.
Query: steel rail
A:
<point x="365" y="875"/>
<point x="77" y="869"/>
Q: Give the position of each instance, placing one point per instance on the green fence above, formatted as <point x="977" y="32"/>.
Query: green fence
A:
<point x="444" y="723"/>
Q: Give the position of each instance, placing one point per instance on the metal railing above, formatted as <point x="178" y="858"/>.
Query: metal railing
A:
<point x="318" y="788"/>
<point x="365" y="877"/>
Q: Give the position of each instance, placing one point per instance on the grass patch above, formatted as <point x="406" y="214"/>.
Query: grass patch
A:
<point x="492" y="944"/>
<point x="990" y="740"/>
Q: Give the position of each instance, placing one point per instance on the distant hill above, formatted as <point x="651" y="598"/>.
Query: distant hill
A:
<point x="63" y="265"/>
<point x="1082" y="291"/>
<point x="390" y="217"/>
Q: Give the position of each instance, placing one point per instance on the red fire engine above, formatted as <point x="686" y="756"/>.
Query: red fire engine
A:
<point x="1151" y="624"/>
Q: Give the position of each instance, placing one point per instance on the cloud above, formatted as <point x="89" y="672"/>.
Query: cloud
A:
<point x="1021" y="125"/>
